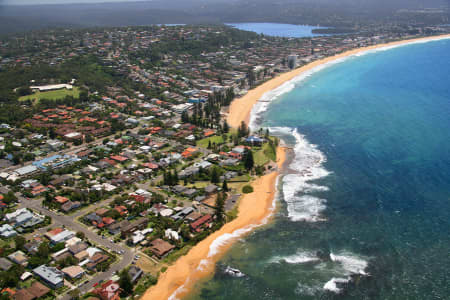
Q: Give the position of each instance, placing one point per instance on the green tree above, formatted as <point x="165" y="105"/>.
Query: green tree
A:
<point x="248" y="160"/>
<point x="225" y="126"/>
<point x="9" y="198"/>
<point x="43" y="250"/>
<point x="74" y="294"/>
<point x="80" y="235"/>
<point x="215" y="176"/>
<point x="220" y="207"/>
<point x="225" y="186"/>
<point x="125" y="283"/>
<point x="19" y="241"/>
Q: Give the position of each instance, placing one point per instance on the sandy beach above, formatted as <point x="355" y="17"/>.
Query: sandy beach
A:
<point x="254" y="208"/>
<point x="241" y="108"/>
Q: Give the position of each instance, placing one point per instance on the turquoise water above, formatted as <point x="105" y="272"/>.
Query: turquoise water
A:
<point x="278" y="29"/>
<point x="375" y="224"/>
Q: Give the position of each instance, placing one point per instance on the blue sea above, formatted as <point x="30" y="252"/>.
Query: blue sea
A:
<point x="278" y="29"/>
<point x="364" y="211"/>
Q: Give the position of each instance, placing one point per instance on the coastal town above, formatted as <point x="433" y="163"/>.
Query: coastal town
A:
<point x="116" y="157"/>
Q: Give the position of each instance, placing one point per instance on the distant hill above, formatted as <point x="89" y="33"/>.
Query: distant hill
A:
<point x="325" y="12"/>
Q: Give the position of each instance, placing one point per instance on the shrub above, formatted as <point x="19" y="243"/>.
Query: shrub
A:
<point x="247" y="189"/>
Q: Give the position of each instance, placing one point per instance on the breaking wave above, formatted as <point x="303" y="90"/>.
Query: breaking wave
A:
<point x="300" y="257"/>
<point x="351" y="265"/>
<point x="297" y="187"/>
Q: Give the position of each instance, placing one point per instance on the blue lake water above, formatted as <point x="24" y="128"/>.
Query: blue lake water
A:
<point x="365" y="210"/>
<point x="278" y="29"/>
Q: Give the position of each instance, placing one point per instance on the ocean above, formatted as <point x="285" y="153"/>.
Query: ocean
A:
<point x="364" y="209"/>
<point x="278" y="29"/>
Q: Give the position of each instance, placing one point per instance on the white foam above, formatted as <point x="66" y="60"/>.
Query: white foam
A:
<point x="308" y="165"/>
<point x="300" y="257"/>
<point x="351" y="263"/>
<point x="331" y="285"/>
<point x="180" y="289"/>
<point x="203" y="264"/>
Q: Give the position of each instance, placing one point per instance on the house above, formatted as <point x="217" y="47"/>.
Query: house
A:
<point x="139" y="235"/>
<point x="210" y="189"/>
<point x="179" y="189"/>
<point x="66" y="207"/>
<point x="51" y="276"/>
<point x="101" y="211"/>
<point x="73" y="272"/>
<point x="62" y="237"/>
<point x="51" y="233"/>
<point x="7" y="231"/>
<point x="60" y="254"/>
<point x="93" y="218"/>
<point x="171" y="234"/>
<point x="183" y="213"/>
<point x="38" y="290"/>
<point x="135" y="273"/>
<point x="109" y="290"/>
<point x="122" y="210"/>
<point x="24" y="294"/>
<point x="160" y="247"/>
<point x="200" y="223"/>
<point x="254" y="140"/>
<point x="61" y="199"/>
<point x="19" y="258"/>
<point x="190" y="193"/>
<point x="193" y="216"/>
<point x="26" y="171"/>
<point x="32" y="246"/>
<point x="139" y="224"/>
<point x="117" y="227"/>
<point x="82" y="255"/>
<point x="189" y="152"/>
<point x="96" y="259"/>
<point x="5" y="264"/>
<point x="19" y="217"/>
<point x="74" y="249"/>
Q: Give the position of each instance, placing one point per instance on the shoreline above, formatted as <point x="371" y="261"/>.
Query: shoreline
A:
<point x="254" y="210"/>
<point x="199" y="262"/>
<point x="241" y="108"/>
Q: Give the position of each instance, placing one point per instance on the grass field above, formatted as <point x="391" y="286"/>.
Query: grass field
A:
<point x="53" y="95"/>
<point x="264" y="155"/>
<point x="214" y="139"/>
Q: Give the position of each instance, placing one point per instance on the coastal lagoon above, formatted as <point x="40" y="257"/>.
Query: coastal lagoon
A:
<point x="364" y="211"/>
<point x="278" y="29"/>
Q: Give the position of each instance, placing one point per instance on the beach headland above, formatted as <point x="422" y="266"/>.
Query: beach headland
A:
<point x="241" y="108"/>
<point x="255" y="208"/>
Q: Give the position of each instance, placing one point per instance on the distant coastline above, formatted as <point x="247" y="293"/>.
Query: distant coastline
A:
<point x="241" y="108"/>
<point x="199" y="263"/>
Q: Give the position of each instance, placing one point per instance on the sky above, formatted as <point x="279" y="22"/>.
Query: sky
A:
<point x="26" y="2"/>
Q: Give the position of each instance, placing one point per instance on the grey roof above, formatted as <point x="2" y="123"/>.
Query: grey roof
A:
<point x="135" y="273"/>
<point x="211" y="188"/>
<point x="49" y="274"/>
<point x="5" y="264"/>
<point x="26" y="170"/>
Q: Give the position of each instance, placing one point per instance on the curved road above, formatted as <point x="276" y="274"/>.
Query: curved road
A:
<point x="68" y="221"/>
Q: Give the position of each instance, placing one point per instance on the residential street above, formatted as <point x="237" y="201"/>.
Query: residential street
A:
<point x="69" y="222"/>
